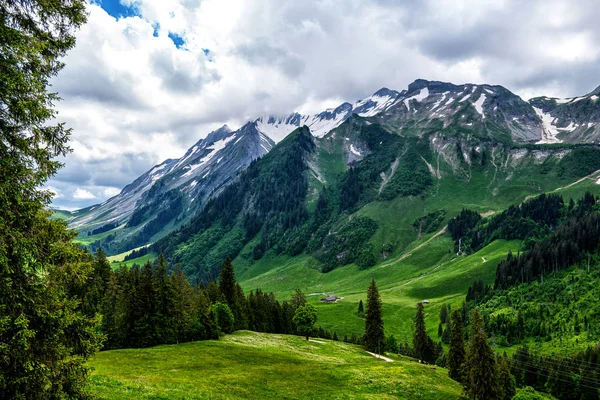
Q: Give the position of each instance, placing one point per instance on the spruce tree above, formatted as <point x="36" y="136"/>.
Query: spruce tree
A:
<point x="144" y="309"/>
<point x="298" y="299"/>
<point x="361" y="309"/>
<point x="374" y="338"/>
<point x="164" y="304"/>
<point x="443" y="314"/>
<point x="184" y="307"/>
<point x="481" y="368"/>
<point x="424" y="347"/>
<point x="506" y="382"/>
<point x="227" y="282"/>
<point x="456" y="352"/>
<point x="44" y="335"/>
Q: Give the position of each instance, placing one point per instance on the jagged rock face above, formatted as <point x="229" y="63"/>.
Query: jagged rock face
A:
<point x="439" y="110"/>
<point x="570" y="120"/>
<point x="190" y="181"/>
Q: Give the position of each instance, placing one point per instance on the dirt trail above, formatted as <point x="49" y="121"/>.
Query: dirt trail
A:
<point x="381" y="357"/>
<point x="405" y="255"/>
<point x="590" y="176"/>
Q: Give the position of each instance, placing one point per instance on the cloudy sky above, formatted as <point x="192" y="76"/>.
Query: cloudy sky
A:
<point x="149" y="78"/>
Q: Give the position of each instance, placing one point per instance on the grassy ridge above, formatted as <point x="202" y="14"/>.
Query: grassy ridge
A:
<point x="248" y="365"/>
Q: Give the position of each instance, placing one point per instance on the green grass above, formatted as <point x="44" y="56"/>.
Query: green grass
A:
<point x="248" y="365"/>
<point x="139" y="261"/>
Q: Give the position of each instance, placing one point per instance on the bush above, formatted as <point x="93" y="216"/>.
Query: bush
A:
<point x="223" y="317"/>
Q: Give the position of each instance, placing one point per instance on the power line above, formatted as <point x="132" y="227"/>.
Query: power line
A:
<point x="559" y="379"/>
<point x="525" y="367"/>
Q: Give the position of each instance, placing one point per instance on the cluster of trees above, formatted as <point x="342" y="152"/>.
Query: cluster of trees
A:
<point x="146" y="306"/>
<point x="429" y="223"/>
<point x="483" y="374"/>
<point x="575" y="377"/>
<point x="103" y="228"/>
<point x="573" y="242"/>
<point x="44" y="336"/>
<point x="528" y="221"/>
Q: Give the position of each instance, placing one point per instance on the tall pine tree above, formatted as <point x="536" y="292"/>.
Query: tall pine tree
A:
<point x="227" y="282"/>
<point x="164" y="304"/>
<point x="457" y="353"/>
<point x="374" y="334"/>
<point x="481" y="368"/>
<point x="424" y="347"/>
<point x="44" y="335"/>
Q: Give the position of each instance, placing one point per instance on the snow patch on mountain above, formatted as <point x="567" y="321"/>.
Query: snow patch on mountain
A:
<point x="549" y="130"/>
<point x="479" y="105"/>
<point x="422" y="95"/>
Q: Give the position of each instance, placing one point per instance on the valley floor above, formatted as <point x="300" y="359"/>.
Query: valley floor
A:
<point x="249" y="365"/>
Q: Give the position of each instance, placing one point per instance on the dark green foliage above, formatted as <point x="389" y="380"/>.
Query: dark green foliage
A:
<point x="564" y="247"/>
<point x="411" y="178"/>
<point x="462" y="224"/>
<point x="348" y="243"/>
<point x="298" y="300"/>
<point x="136" y="254"/>
<point x="481" y="381"/>
<point x="443" y="314"/>
<point x="423" y="345"/>
<point x="374" y="338"/>
<point x="227" y="282"/>
<point x="223" y="317"/>
<point x="304" y="319"/>
<point x="391" y="344"/>
<point x="104" y="228"/>
<point x="44" y="334"/>
<point x="456" y="352"/>
<point x="478" y="290"/>
<point x="528" y="221"/>
<point x="506" y="382"/>
<point x="565" y="377"/>
<point x="361" y="309"/>
<point x="579" y="162"/>
<point x="429" y="223"/>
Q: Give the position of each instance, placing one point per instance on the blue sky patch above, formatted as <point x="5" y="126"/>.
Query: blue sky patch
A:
<point x="116" y="9"/>
<point x="178" y="40"/>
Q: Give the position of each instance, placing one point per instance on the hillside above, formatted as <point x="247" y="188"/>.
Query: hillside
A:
<point x="254" y="365"/>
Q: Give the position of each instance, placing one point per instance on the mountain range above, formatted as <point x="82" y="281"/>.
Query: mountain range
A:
<point x="428" y="125"/>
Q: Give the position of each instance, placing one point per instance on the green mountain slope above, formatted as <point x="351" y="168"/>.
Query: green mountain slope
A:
<point x="253" y="365"/>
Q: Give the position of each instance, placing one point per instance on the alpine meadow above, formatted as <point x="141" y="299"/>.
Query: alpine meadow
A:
<point x="433" y="240"/>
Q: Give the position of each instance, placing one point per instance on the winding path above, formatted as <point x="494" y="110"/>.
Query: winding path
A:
<point x="405" y="255"/>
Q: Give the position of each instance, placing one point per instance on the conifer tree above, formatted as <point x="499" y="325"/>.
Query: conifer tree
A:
<point x="361" y="309"/>
<point x="227" y="282"/>
<point x="423" y="345"/>
<point x="374" y="338"/>
<point x="164" y="301"/>
<point x="144" y="309"/>
<point x="184" y="307"/>
<point x="457" y="352"/>
<point x="481" y="368"/>
<point x="298" y="299"/>
<point x="443" y="314"/>
<point x="506" y="382"/>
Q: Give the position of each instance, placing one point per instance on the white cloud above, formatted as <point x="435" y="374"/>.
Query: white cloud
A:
<point x="133" y="99"/>
<point x="82" y="194"/>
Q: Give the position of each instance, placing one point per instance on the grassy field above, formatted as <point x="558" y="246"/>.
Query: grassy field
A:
<point x="248" y="365"/>
<point x="116" y="261"/>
